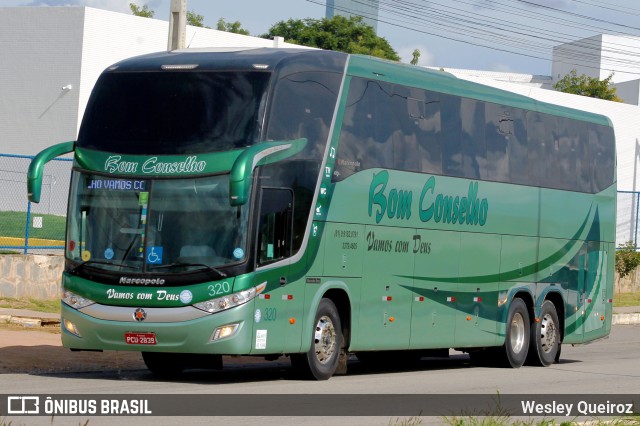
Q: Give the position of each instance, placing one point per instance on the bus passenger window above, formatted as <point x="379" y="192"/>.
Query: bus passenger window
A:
<point x="451" y="122"/>
<point x="275" y="223"/>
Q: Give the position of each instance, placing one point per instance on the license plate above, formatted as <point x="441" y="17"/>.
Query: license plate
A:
<point x="140" y="338"/>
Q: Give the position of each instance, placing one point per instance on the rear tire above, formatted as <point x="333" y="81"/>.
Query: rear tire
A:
<point x="321" y="361"/>
<point x="518" y="333"/>
<point x="545" y="337"/>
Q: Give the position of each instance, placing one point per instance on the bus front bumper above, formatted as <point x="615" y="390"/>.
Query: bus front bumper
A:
<point x="81" y="331"/>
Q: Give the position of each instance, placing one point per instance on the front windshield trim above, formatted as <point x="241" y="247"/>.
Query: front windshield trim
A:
<point x="155" y="166"/>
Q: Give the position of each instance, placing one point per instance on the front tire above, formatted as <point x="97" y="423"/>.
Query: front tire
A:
<point x="321" y="361"/>
<point x="545" y="337"/>
<point x="518" y="333"/>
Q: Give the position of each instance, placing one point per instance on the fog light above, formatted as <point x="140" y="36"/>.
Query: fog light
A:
<point x="71" y="327"/>
<point x="224" y="331"/>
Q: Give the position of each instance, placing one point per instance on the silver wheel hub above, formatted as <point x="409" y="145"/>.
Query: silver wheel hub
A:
<point x="517" y="333"/>
<point x="548" y="333"/>
<point x="324" y="339"/>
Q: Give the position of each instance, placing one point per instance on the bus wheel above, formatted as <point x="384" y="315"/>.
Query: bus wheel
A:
<point x="516" y="343"/>
<point x="545" y="337"/>
<point x="164" y="364"/>
<point x="321" y="361"/>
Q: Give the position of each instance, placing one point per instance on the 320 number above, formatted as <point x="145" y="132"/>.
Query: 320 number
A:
<point x="219" y="288"/>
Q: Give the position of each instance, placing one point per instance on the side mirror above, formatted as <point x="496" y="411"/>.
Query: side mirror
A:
<point x="250" y="158"/>
<point x="34" y="175"/>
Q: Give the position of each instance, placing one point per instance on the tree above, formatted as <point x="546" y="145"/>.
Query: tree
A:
<point x="627" y="259"/>
<point x="349" y="35"/>
<point x="143" y="11"/>
<point x="195" y="20"/>
<point x="231" y="27"/>
<point x="416" y="57"/>
<point x="587" y="86"/>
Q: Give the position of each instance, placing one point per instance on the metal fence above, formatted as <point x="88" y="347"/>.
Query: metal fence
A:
<point x="40" y="228"/>
<point x="27" y="227"/>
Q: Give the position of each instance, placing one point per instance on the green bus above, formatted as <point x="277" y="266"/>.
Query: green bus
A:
<point x="308" y="203"/>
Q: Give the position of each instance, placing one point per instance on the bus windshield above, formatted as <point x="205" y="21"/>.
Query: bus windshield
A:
<point x="166" y="226"/>
<point x="170" y="113"/>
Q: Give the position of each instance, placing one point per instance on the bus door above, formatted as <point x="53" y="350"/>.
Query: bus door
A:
<point x="273" y="332"/>
<point x="384" y="319"/>
<point x="587" y="295"/>
<point x="435" y="293"/>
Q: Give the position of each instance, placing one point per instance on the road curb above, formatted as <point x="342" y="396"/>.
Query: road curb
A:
<point x="28" y="321"/>
<point x="625" y="319"/>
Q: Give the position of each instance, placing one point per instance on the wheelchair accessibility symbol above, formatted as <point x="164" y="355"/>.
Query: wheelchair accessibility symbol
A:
<point x="154" y="255"/>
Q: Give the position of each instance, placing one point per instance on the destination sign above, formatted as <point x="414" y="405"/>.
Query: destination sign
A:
<point x="117" y="184"/>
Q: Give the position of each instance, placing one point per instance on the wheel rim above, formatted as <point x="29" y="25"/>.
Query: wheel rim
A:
<point x="517" y="334"/>
<point x="548" y="333"/>
<point x="325" y="339"/>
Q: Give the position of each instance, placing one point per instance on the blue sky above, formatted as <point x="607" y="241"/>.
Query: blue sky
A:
<point x="492" y="35"/>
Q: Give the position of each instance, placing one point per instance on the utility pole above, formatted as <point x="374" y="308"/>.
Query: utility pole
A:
<point x="177" y="25"/>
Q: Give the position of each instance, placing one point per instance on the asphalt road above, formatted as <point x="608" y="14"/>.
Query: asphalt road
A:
<point x="604" y="367"/>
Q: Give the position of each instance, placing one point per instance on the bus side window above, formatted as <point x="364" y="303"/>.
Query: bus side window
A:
<point x="275" y="225"/>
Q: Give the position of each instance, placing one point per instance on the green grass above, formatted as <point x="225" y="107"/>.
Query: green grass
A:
<point x="626" y="299"/>
<point x="12" y="224"/>
<point x="507" y="421"/>
<point x="52" y="306"/>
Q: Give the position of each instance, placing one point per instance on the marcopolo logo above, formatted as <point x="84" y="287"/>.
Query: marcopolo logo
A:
<point x="398" y="203"/>
<point x="115" y="164"/>
<point x="142" y="281"/>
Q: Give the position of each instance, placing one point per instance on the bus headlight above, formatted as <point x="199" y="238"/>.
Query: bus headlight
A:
<point x="232" y="300"/>
<point x="75" y="301"/>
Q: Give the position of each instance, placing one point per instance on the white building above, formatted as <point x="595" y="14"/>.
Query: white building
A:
<point x="367" y="10"/>
<point x="598" y="57"/>
<point x="50" y="59"/>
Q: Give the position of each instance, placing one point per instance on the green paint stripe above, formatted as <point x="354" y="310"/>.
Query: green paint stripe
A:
<point x="515" y="273"/>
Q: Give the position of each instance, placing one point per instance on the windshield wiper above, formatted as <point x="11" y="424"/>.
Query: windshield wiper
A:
<point x="204" y="266"/>
<point x="98" y="262"/>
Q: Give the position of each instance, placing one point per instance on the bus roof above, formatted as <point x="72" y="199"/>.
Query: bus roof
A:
<point x="225" y="59"/>
<point x="442" y="81"/>
<point x="265" y="58"/>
